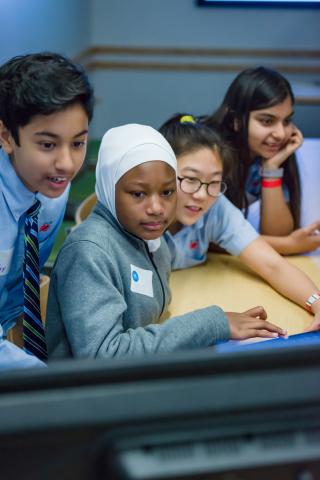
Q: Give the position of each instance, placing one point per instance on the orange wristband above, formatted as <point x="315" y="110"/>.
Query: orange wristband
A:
<point x="266" y="183"/>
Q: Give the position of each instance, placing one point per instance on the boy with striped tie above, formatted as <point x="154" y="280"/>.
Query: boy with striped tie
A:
<point x="46" y="104"/>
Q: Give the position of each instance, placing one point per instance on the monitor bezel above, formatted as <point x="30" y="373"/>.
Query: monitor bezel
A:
<point x="267" y="4"/>
<point x="101" y="406"/>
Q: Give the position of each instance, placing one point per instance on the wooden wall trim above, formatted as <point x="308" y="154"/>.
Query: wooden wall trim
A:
<point x="191" y="67"/>
<point x="199" y="51"/>
<point x="113" y="57"/>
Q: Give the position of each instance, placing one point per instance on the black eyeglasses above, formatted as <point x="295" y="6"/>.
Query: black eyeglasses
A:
<point x="193" y="185"/>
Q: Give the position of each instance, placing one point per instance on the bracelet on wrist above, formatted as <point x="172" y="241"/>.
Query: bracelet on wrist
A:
<point x="268" y="183"/>
<point x="271" y="173"/>
<point x="313" y="298"/>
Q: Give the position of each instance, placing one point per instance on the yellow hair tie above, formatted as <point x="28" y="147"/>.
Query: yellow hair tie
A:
<point x="187" y="119"/>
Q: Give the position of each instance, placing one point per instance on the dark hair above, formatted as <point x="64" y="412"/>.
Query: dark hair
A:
<point x="253" y="89"/>
<point x="190" y="136"/>
<point x="40" y="84"/>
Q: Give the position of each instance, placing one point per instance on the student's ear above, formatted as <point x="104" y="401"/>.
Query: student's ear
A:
<point x="6" y="140"/>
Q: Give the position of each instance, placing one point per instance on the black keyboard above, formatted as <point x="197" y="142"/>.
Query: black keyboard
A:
<point x="308" y="338"/>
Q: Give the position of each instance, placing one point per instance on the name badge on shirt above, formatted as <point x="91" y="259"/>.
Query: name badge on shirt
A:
<point x="5" y="261"/>
<point x="141" y="281"/>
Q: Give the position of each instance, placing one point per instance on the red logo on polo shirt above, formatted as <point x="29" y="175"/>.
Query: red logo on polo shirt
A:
<point x="193" y="245"/>
<point x="45" y="227"/>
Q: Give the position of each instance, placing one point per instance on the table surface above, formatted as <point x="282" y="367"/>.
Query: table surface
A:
<point x="223" y="280"/>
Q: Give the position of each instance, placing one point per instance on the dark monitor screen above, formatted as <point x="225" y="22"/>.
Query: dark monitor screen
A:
<point x="261" y="3"/>
<point x="194" y="415"/>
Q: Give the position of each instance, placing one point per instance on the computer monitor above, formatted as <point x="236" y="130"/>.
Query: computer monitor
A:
<point x="193" y="415"/>
<point x="261" y="3"/>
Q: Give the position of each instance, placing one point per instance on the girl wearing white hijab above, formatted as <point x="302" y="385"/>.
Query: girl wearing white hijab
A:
<point x="110" y="282"/>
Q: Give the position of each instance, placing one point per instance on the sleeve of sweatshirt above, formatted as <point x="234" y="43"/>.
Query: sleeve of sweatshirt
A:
<point x="91" y="306"/>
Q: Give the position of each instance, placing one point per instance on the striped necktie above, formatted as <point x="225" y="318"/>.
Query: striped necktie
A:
<point x="33" y="331"/>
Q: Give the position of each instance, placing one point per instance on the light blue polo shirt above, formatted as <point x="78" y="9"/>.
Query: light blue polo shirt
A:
<point x="223" y="224"/>
<point x="12" y="357"/>
<point x="15" y="199"/>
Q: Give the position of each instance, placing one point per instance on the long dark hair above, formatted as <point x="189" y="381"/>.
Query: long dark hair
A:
<point x="253" y="89"/>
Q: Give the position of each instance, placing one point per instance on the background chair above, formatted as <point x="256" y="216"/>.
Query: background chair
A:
<point x="85" y="208"/>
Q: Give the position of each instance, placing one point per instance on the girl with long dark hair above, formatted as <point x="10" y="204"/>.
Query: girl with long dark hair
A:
<point x="255" y="117"/>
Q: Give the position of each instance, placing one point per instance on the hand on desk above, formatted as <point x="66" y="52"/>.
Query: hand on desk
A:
<point x="305" y="239"/>
<point x="252" y="323"/>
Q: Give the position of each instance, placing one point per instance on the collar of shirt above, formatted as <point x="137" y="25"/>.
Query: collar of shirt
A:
<point x="186" y="230"/>
<point x="16" y="194"/>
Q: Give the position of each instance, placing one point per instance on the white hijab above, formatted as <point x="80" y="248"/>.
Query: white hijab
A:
<point x="123" y="148"/>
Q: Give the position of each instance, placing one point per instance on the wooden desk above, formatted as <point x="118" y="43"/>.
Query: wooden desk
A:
<point x="223" y="280"/>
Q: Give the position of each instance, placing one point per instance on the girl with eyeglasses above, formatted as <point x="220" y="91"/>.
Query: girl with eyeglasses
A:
<point x="204" y="215"/>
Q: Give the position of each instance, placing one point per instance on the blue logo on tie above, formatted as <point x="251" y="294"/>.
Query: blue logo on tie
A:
<point x="135" y="276"/>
